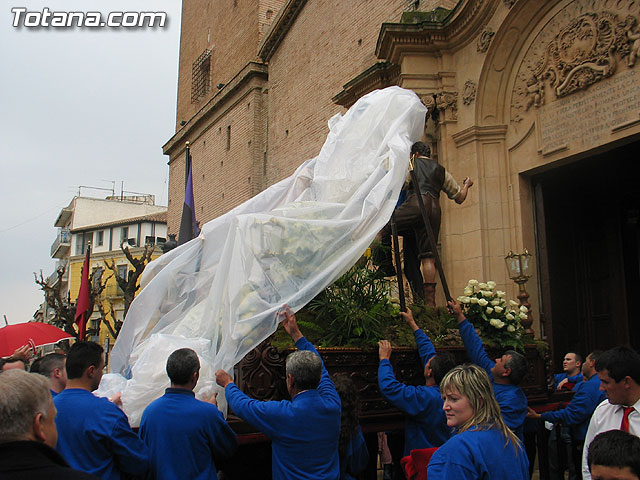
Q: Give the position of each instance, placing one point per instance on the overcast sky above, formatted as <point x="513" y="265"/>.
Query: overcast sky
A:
<point x="82" y="106"/>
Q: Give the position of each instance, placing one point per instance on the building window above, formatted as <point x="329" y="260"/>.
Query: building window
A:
<point x="82" y="240"/>
<point x="79" y="244"/>
<point x="149" y="240"/>
<point x="201" y="76"/>
<point x="122" y="272"/>
<point x="124" y="235"/>
<point x="97" y="276"/>
<point x="228" y="137"/>
<point x="100" y="238"/>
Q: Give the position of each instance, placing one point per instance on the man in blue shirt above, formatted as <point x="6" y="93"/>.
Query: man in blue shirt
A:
<point x="304" y="431"/>
<point x="577" y="414"/>
<point x="426" y="423"/>
<point x="559" y="445"/>
<point x="52" y="366"/>
<point x="572" y="374"/>
<point x="184" y="434"/>
<point x="94" y="434"/>
<point x="506" y="373"/>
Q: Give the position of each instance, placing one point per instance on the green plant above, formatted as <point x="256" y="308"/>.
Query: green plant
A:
<point x="356" y="307"/>
<point x="497" y="320"/>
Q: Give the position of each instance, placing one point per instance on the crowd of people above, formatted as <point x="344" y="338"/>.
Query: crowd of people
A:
<point x="470" y="416"/>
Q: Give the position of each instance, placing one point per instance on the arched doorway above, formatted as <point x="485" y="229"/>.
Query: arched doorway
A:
<point x="570" y="116"/>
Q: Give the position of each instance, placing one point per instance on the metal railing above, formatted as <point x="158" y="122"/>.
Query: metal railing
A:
<point x="63" y="240"/>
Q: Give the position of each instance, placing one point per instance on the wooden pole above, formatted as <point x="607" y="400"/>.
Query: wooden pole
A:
<point x="396" y="254"/>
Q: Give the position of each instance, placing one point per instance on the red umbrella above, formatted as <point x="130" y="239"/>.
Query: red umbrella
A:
<point x="33" y="333"/>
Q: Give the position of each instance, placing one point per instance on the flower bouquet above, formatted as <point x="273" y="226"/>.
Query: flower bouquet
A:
<point x="497" y="320"/>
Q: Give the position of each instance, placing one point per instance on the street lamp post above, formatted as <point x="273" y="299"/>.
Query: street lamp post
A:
<point x="518" y="265"/>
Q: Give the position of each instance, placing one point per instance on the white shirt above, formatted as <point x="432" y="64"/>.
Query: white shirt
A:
<point x="608" y="417"/>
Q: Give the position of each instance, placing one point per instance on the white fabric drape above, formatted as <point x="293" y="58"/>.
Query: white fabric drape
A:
<point x="220" y="293"/>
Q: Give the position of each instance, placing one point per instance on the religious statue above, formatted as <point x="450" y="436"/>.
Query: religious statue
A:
<point x="432" y="178"/>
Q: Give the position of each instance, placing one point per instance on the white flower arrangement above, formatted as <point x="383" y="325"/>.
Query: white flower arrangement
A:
<point x="497" y="319"/>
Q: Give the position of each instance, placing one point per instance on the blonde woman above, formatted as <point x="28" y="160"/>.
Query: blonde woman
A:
<point x="482" y="446"/>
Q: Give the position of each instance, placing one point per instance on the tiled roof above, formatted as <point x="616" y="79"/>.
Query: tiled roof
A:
<point x="160" y="217"/>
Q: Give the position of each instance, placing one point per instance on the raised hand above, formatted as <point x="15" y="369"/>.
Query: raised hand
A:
<point x="384" y="349"/>
<point x="290" y="323"/>
<point x="408" y="317"/>
<point x="23" y="353"/>
<point x="223" y="378"/>
<point x="213" y="399"/>
<point x="456" y="310"/>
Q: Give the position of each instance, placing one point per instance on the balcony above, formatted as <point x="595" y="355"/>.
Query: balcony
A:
<point x="53" y="279"/>
<point x="63" y="218"/>
<point x="61" y="244"/>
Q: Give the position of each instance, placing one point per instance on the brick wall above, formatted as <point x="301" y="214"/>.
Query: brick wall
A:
<point x="176" y="193"/>
<point x="330" y="42"/>
<point x="232" y="29"/>
<point x="227" y="161"/>
<point x="267" y="12"/>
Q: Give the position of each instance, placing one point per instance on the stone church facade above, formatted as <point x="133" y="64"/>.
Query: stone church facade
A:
<point x="539" y="102"/>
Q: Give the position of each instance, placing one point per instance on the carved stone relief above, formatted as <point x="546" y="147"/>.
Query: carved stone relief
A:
<point x="444" y="103"/>
<point x="633" y="34"/>
<point x="448" y="102"/>
<point x="469" y="93"/>
<point x="575" y="50"/>
<point x="428" y="101"/>
<point x="485" y="40"/>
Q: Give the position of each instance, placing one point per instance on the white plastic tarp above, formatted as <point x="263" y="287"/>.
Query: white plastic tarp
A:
<point x="220" y="293"/>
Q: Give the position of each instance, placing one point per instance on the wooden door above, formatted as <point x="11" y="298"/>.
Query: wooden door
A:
<point x="581" y="256"/>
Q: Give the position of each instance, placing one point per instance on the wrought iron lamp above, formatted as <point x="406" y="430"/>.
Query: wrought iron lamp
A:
<point x="518" y="265"/>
